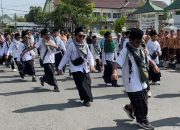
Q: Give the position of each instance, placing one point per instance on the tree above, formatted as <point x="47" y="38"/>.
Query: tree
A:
<point x="119" y="24"/>
<point x="36" y="15"/>
<point x="73" y="13"/>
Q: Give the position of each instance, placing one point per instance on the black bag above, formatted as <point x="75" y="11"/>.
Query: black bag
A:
<point x="42" y="60"/>
<point x="154" y="55"/>
<point x="78" y="61"/>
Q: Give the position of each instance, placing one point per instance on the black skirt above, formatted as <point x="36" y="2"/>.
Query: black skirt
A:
<point x="83" y="84"/>
<point x="28" y="68"/>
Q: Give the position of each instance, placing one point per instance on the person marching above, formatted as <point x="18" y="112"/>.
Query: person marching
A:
<point x="25" y="57"/>
<point x="47" y="48"/>
<point x="14" y="49"/>
<point x="61" y="48"/>
<point x="95" y="50"/>
<point x="79" y="57"/>
<point x="154" y="50"/>
<point x="109" y="56"/>
<point x="134" y="65"/>
<point x="7" y="58"/>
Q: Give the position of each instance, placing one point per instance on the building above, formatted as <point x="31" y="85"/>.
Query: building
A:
<point x="112" y="10"/>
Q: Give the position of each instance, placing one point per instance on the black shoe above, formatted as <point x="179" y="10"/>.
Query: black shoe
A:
<point x="129" y="112"/>
<point x="34" y="79"/>
<point x="41" y="81"/>
<point x="145" y="125"/>
<point x="87" y="104"/>
<point x="21" y="74"/>
<point x="56" y="89"/>
<point x="116" y="85"/>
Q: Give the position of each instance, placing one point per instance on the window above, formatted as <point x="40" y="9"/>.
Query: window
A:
<point x="96" y="14"/>
<point x="177" y="12"/>
<point x="116" y="15"/>
<point x="108" y="15"/>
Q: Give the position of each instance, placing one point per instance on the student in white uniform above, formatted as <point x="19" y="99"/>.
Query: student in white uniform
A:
<point x="47" y="48"/>
<point x="154" y="50"/>
<point x="61" y="48"/>
<point x="109" y="56"/>
<point x="14" y="49"/>
<point x="95" y="50"/>
<point x="134" y="65"/>
<point x="26" y="57"/>
<point x="79" y="57"/>
<point x="8" y="59"/>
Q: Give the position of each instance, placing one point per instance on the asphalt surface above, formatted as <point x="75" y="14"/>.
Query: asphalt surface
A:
<point x="25" y="105"/>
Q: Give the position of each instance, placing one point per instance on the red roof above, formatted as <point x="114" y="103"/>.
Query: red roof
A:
<point x="113" y="4"/>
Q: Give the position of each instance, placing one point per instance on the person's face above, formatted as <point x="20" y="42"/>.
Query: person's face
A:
<point x="18" y="38"/>
<point x="172" y="33"/>
<point x="109" y="38"/>
<point x="161" y="33"/>
<point x="136" y="42"/>
<point x="80" y="37"/>
<point x="154" y="37"/>
<point x="8" y="37"/>
<point x="166" y="33"/>
<point x="25" y="38"/>
<point x="94" y="40"/>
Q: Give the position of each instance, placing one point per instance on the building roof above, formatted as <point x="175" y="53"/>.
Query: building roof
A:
<point x="161" y="4"/>
<point x="113" y="4"/>
<point x="6" y="19"/>
<point x="174" y="6"/>
<point x="24" y="24"/>
<point x="148" y="8"/>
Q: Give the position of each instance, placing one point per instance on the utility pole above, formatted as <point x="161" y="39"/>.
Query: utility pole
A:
<point x="2" y="7"/>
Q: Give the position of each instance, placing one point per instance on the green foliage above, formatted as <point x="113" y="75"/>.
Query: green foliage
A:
<point x="103" y="31"/>
<point x="74" y="12"/>
<point x="119" y="24"/>
<point x="36" y="15"/>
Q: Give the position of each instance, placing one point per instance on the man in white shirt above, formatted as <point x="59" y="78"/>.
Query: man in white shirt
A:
<point x="61" y="48"/>
<point x="25" y="57"/>
<point x="47" y="48"/>
<point x="8" y="59"/>
<point x="14" y="49"/>
<point x="154" y="50"/>
<point x="134" y="63"/>
<point x="79" y="57"/>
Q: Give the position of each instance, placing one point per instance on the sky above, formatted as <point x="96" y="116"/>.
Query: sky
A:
<point x="21" y="7"/>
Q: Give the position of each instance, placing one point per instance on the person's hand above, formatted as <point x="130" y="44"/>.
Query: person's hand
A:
<point x="92" y="69"/>
<point x="156" y="69"/>
<point x="60" y="72"/>
<point x="114" y="76"/>
<point x="6" y="57"/>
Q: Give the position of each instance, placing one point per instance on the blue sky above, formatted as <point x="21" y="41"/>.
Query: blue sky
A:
<point x="21" y="7"/>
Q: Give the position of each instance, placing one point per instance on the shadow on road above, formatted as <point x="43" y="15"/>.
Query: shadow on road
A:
<point x="175" y="95"/>
<point x="15" y="81"/>
<point x="34" y="90"/>
<point x="48" y="107"/>
<point x="125" y="124"/>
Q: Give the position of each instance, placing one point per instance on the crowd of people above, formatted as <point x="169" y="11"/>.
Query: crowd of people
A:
<point x="136" y="53"/>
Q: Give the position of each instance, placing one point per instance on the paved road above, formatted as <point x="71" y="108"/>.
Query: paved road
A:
<point x="28" y="106"/>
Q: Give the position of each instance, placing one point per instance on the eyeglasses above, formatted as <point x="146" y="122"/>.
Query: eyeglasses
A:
<point x="81" y="36"/>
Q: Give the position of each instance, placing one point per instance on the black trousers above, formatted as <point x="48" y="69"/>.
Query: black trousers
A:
<point x="178" y="55"/>
<point x="98" y="65"/>
<point x="19" y="65"/>
<point x="49" y="76"/>
<point x="28" y="67"/>
<point x="139" y="102"/>
<point x="83" y="84"/>
<point x="8" y="61"/>
<point x="154" y="76"/>
<point x="108" y="68"/>
<point x="58" y="58"/>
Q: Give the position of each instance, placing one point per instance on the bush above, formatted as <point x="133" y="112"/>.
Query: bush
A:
<point x="103" y="31"/>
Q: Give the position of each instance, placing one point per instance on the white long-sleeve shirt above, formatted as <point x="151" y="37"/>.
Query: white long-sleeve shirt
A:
<point x="14" y="49"/>
<point x="30" y="55"/>
<point x="60" y="44"/>
<point x="153" y="47"/>
<point x="5" y="48"/>
<point x="71" y="54"/>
